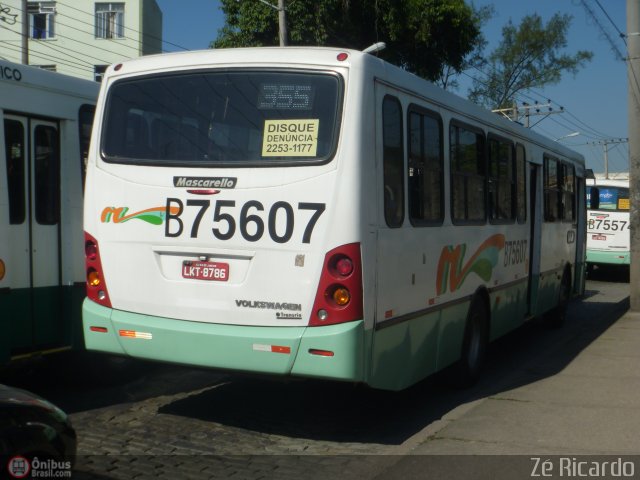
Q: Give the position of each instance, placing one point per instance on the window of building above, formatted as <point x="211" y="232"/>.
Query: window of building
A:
<point x="393" y="161"/>
<point x="502" y="184"/>
<point x="468" y="167"/>
<point x="41" y="19"/>
<point x="425" y="174"/>
<point x="109" y="20"/>
<point x="521" y="184"/>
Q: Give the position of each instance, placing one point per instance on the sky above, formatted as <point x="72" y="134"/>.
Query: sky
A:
<point x="594" y="101"/>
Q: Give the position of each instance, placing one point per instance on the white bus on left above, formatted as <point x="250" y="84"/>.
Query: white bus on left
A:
<point x="46" y="123"/>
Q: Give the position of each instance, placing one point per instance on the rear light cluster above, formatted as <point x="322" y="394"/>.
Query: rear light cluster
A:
<point x="339" y="294"/>
<point x="96" y="286"/>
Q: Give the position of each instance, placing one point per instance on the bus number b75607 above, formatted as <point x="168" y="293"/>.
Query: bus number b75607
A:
<point x="250" y="224"/>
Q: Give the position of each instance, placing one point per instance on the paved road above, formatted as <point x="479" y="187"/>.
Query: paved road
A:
<point x="143" y="420"/>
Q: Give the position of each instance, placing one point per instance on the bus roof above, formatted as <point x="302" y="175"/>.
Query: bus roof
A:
<point x="18" y="75"/>
<point x="329" y="57"/>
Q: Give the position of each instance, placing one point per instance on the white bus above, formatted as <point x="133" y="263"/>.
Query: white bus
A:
<point x="317" y="212"/>
<point x="46" y="119"/>
<point x="608" y="239"/>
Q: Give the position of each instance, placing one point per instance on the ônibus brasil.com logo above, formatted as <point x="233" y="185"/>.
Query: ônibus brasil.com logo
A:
<point x="20" y="467"/>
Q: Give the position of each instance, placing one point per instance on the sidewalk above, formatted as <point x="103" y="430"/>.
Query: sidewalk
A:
<point x="585" y="409"/>
<point x="591" y="407"/>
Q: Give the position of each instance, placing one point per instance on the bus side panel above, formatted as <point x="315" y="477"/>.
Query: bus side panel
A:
<point x="405" y="353"/>
<point x="558" y="249"/>
<point x="508" y="309"/>
<point x="4" y="254"/>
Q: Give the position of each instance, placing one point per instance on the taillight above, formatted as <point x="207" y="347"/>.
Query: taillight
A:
<point x="96" y="286"/>
<point x="339" y="294"/>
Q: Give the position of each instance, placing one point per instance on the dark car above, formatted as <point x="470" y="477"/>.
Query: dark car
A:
<point x="32" y="428"/>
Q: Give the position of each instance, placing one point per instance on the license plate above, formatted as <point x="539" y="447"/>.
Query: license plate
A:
<point x="215" y="271"/>
<point x="598" y="237"/>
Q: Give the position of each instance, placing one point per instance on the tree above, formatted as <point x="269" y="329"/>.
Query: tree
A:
<point x="529" y="56"/>
<point x="422" y="36"/>
<point x="475" y="59"/>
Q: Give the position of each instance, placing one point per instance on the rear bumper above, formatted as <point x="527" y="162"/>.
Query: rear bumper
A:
<point x="610" y="258"/>
<point x="272" y="350"/>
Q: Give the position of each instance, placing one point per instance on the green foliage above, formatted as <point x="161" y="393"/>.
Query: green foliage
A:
<point x="422" y="36"/>
<point x="529" y="56"/>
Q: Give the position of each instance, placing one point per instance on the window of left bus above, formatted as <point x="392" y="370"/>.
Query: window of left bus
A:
<point x="85" y="123"/>
<point x="14" y="150"/>
<point x="46" y="175"/>
<point x="225" y="118"/>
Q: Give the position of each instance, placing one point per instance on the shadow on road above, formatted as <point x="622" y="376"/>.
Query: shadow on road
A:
<point x="337" y="412"/>
<point x="310" y="409"/>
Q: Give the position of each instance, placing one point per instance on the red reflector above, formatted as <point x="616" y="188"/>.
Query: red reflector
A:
<point x="98" y="329"/>
<point x="342" y="56"/>
<point x="279" y="349"/>
<point x="322" y="353"/>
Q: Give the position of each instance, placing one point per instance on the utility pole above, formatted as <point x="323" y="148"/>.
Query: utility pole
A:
<point x="282" y="23"/>
<point x="605" y="144"/>
<point x="282" y="20"/>
<point x="633" y="79"/>
<point x="527" y="110"/>
<point x="25" y="33"/>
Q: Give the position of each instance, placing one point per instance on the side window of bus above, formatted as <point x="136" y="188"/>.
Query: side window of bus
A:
<point x="551" y="190"/>
<point x="568" y="192"/>
<point x="425" y="173"/>
<point x="521" y="184"/>
<point x="47" y="175"/>
<point x="593" y="198"/>
<point x="85" y="123"/>
<point x="502" y="181"/>
<point x="15" y="155"/>
<point x="393" y="161"/>
<point x="468" y="181"/>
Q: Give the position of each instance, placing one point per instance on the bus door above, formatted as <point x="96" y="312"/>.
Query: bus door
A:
<point x="535" y="215"/>
<point x="33" y="166"/>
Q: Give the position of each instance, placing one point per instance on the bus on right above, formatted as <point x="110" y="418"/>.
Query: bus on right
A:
<point x="608" y="241"/>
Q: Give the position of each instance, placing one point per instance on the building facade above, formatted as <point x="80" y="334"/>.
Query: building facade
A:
<point x="80" y="37"/>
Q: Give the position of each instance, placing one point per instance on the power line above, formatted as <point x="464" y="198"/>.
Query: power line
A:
<point x="622" y="35"/>
<point x="603" y="30"/>
<point x="61" y="61"/>
<point x="50" y="46"/>
<point x="127" y="28"/>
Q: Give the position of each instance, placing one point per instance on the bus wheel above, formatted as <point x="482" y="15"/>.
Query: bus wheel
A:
<point x="557" y="317"/>
<point x="474" y="345"/>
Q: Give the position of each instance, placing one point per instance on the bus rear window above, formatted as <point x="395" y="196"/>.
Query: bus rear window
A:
<point x="608" y="198"/>
<point x="236" y="118"/>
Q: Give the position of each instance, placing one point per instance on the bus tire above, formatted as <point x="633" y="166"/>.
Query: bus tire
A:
<point x="557" y="317"/>
<point x="474" y="345"/>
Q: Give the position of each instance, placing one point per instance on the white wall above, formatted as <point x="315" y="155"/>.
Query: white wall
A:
<point x="74" y="49"/>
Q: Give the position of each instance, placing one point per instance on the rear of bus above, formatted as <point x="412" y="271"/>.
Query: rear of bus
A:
<point x="221" y="218"/>
<point x="608" y="222"/>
